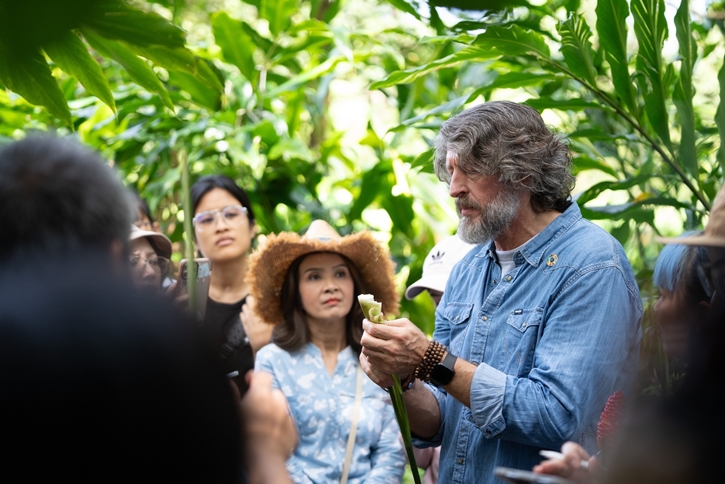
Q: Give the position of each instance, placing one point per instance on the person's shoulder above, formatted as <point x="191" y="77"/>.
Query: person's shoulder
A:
<point x="272" y="352"/>
<point x="592" y="244"/>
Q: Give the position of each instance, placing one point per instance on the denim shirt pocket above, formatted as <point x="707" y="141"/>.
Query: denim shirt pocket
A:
<point x="457" y="312"/>
<point x="522" y="333"/>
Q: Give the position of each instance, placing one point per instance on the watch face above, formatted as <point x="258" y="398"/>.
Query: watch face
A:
<point x="442" y="373"/>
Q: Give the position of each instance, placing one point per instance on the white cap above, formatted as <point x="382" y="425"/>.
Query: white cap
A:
<point x="438" y="265"/>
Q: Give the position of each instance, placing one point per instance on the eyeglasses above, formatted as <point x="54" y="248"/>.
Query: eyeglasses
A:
<point x="233" y="216"/>
<point x="158" y="264"/>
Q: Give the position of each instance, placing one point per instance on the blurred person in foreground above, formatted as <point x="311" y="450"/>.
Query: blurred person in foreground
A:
<point x="677" y="439"/>
<point x="148" y="258"/>
<point x="102" y="383"/>
<point x="526" y="350"/>
<point x="65" y="219"/>
<point x="307" y="287"/>
<point x="437" y="268"/>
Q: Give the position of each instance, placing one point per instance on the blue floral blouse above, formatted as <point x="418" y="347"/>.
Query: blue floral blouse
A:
<point x="322" y="406"/>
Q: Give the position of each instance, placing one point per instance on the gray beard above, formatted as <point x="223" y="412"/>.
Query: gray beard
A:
<point x="492" y="219"/>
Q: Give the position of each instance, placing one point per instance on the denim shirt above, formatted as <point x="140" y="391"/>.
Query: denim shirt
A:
<point x="552" y="340"/>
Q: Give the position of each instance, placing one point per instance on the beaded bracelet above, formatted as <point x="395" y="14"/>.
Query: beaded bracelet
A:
<point x="433" y="356"/>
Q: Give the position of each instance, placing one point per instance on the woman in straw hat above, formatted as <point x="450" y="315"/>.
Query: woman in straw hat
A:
<point x="307" y="286"/>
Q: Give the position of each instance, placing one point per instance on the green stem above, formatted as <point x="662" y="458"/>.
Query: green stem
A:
<point x="401" y="414"/>
<point x="191" y="269"/>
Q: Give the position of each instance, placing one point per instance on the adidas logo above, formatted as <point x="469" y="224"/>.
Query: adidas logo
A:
<point x="437" y="256"/>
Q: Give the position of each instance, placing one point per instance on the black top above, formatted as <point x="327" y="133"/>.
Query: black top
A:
<point x="224" y="326"/>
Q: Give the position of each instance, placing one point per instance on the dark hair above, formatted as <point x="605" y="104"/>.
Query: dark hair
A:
<point x="291" y="334"/>
<point x="56" y="195"/>
<point x="207" y="183"/>
<point x="511" y="141"/>
<point x="143" y="206"/>
<point x="106" y="384"/>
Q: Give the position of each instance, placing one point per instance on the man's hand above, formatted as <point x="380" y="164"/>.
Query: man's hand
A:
<point x="258" y="332"/>
<point x="393" y="348"/>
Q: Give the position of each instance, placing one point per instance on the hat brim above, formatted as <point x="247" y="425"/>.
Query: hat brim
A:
<point x="707" y="240"/>
<point x="268" y="268"/>
<point x="160" y="243"/>
<point x="422" y="284"/>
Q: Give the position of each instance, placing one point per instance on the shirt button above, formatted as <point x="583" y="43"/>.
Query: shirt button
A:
<point x="460" y="461"/>
<point x="508" y="278"/>
<point x="485" y="318"/>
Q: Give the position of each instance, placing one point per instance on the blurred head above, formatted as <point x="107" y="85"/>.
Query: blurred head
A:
<point x="149" y="254"/>
<point x="58" y="196"/>
<point x="104" y="383"/>
<point x="508" y="143"/>
<point x="438" y="266"/>
<point x="223" y="219"/>
<point x="684" y="296"/>
<point x="144" y="220"/>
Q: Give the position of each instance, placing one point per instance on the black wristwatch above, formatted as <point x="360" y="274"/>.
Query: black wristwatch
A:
<point x="442" y="373"/>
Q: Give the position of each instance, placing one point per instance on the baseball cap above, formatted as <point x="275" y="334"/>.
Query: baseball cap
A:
<point x="438" y="265"/>
<point x="714" y="233"/>
<point x="160" y="243"/>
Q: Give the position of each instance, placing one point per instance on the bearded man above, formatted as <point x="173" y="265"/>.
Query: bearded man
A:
<point x="539" y="323"/>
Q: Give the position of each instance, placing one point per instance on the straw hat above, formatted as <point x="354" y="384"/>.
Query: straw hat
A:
<point x="159" y="242"/>
<point x="268" y="266"/>
<point x="714" y="233"/>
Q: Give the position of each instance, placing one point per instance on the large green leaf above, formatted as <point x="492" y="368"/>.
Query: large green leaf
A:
<point x="511" y="80"/>
<point x="237" y="47"/>
<point x="442" y="109"/>
<point x="136" y="68"/>
<point x="612" y="30"/>
<point x="650" y="27"/>
<point x="583" y="162"/>
<point x="594" y="191"/>
<point x="314" y="73"/>
<point x="683" y="92"/>
<point x="405" y="7"/>
<point x="119" y="21"/>
<point x="278" y="13"/>
<point x="513" y="40"/>
<point x="71" y="54"/>
<point x="30" y="76"/>
<point x="199" y="92"/>
<point x="720" y="118"/>
<point x="181" y="60"/>
<point x="577" y="48"/>
<point x="562" y="104"/>
<point x="409" y="75"/>
<point x="374" y="182"/>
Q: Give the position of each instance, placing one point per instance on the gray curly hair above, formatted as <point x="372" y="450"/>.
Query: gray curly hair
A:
<point x="509" y="140"/>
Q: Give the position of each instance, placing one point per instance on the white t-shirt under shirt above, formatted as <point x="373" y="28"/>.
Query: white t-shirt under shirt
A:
<point x="506" y="257"/>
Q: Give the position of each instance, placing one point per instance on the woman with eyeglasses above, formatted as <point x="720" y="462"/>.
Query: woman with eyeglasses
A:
<point x="224" y="228"/>
<point x="149" y="257"/>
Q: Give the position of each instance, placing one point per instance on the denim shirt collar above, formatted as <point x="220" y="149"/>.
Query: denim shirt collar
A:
<point x="534" y="250"/>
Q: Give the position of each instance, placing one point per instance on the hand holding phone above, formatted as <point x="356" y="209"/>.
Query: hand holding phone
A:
<point x="203" y="278"/>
